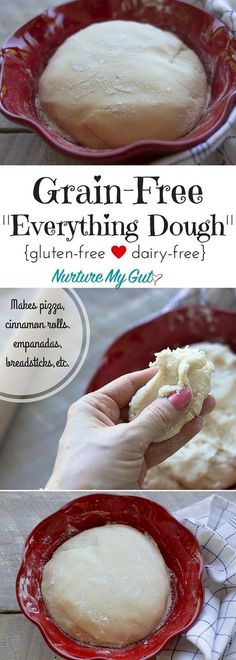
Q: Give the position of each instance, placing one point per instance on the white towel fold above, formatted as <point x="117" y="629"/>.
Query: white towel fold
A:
<point x="213" y="636"/>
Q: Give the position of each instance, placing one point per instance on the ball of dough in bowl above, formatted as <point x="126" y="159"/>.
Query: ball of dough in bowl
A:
<point x="118" y="82"/>
<point x="108" y="586"/>
<point x="177" y="369"/>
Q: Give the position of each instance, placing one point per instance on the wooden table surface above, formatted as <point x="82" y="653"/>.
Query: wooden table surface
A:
<point x="19" y="513"/>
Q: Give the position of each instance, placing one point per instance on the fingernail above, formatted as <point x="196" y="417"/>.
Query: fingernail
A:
<point x="181" y="399"/>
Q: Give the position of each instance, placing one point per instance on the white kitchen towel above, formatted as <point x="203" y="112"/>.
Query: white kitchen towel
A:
<point x="213" y="636"/>
<point x="220" y="148"/>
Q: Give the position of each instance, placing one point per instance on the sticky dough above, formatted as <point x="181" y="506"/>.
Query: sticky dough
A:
<point x="117" y="82"/>
<point x="177" y="369"/>
<point x="208" y="461"/>
<point x="108" y="586"/>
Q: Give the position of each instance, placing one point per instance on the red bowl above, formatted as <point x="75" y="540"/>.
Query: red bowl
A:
<point x="180" y="550"/>
<point x="187" y="325"/>
<point x="26" y="53"/>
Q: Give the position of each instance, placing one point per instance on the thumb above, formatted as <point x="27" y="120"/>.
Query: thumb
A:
<point x="159" y="417"/>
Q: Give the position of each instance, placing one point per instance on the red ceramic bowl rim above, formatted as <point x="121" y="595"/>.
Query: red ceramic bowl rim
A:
<point x="149" y="319"/>
<point x="140" y="146"/>
<point x="135" y="499"/>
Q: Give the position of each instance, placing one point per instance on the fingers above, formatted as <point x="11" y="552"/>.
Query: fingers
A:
<point x="208" y="405"/>
<point x="123" y="389"/>
<point x="124" y="414"/>
<point x="207" y="408"/>
<point x="158" y="452"/>
<point x="160" y="416"/>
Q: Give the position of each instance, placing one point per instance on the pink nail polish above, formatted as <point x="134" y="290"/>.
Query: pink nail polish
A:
<point x="181" y="399"/>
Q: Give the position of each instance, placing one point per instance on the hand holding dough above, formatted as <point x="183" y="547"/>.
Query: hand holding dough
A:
<point x="178" y="369"/>
<point x="108" y="586"/>
<point x="99" y="449"/>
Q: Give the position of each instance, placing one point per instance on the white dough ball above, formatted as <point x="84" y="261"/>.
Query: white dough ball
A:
<point x="108" y="586"/>
<point x="117" y="82"/>
<point x="177" y="369"/>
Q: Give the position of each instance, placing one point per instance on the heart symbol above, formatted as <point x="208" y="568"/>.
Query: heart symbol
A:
<point x="97" y="178"/>
<point x="156" y="278"/>
<point x="118" y="250"/>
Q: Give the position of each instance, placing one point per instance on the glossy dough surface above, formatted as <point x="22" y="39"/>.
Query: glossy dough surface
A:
<point x="108" y="586"/>
<point x="208" y="461"/>
<point x="117" y="82"/>
<point x="177" y="369"/>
